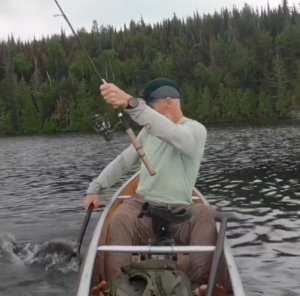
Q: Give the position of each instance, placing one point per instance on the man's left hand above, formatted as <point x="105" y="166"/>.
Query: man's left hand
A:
<point x="114" y="95"/>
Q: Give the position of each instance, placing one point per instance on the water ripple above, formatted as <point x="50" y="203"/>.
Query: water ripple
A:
<point x="253" y="171"/>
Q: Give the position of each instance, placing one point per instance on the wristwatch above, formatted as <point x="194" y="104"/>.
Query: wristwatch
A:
<point x="132" y="103"/>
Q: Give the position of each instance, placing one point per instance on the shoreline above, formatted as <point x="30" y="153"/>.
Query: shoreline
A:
<point x="136" y="129"/>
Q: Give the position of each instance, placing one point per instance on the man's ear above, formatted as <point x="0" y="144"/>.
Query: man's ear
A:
<point x="169" y="101"/>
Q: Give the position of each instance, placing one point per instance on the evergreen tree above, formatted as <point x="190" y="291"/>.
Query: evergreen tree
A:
<point x="232" y="66"/>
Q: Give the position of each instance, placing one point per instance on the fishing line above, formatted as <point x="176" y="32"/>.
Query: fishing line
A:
<point x="101" y="122"/>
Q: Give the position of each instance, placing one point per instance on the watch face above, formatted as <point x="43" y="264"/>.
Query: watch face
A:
<point x="133" y="102"/>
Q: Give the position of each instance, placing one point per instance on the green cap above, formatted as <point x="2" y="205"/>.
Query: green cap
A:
<point x="160" y="88"/>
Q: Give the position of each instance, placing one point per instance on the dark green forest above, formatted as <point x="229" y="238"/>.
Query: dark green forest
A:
<point x="232" y="66"/>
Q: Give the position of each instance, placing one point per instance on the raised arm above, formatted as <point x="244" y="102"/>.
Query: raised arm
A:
<point x="185" y="136"/>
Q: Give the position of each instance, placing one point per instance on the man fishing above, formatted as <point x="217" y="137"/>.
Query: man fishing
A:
<point x="175" y="146"/>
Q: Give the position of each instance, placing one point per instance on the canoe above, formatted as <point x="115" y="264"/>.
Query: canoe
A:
<point x="92" y="270"/>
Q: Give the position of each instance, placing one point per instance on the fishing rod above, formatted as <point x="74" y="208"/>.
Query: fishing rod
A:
<point x="101" y="123"/>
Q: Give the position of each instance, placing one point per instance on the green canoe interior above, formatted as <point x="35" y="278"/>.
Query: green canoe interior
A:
<point x="129" y="190"/>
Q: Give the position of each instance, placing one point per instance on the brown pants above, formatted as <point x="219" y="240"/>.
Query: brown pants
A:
<point x="127" y="229"/>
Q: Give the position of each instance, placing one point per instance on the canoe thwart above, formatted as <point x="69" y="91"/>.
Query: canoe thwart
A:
<point x="156" y="249"/>
<point x="128" y="196"/>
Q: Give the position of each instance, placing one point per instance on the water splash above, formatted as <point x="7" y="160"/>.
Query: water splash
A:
<point x="51" y="255"/>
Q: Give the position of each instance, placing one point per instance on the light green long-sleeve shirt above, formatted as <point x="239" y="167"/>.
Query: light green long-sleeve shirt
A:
<point x="174" y="150"/>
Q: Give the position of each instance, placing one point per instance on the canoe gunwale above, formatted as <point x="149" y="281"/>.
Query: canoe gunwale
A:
<point x="88" y="264"/>
<point x="86" y="272"/>
<point x="236" y="282"/>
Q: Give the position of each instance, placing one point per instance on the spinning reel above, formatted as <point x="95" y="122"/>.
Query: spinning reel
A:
<point x="103" y="126"/>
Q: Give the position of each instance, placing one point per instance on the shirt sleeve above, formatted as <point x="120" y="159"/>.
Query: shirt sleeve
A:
<point x="185" y="137"/>
<point x="116" y="169"/>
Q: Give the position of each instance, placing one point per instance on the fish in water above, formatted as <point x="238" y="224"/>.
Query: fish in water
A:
<point x="62" y="248"/>
<point x="55" y="247"/>
<point x="51" y="253"/>
<point x="54" y="253"/>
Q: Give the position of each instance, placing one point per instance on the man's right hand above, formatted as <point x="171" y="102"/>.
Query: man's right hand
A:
<point x="91" y="199"/>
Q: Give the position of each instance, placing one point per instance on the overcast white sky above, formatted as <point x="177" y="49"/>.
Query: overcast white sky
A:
<point x="26" y="18"/>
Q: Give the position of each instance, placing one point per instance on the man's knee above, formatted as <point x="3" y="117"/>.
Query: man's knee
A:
<point x="202" y="208"/>
<point x="201" y="212"/>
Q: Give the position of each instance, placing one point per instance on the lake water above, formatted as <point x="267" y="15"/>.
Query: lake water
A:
<point x="254" y="171"/>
